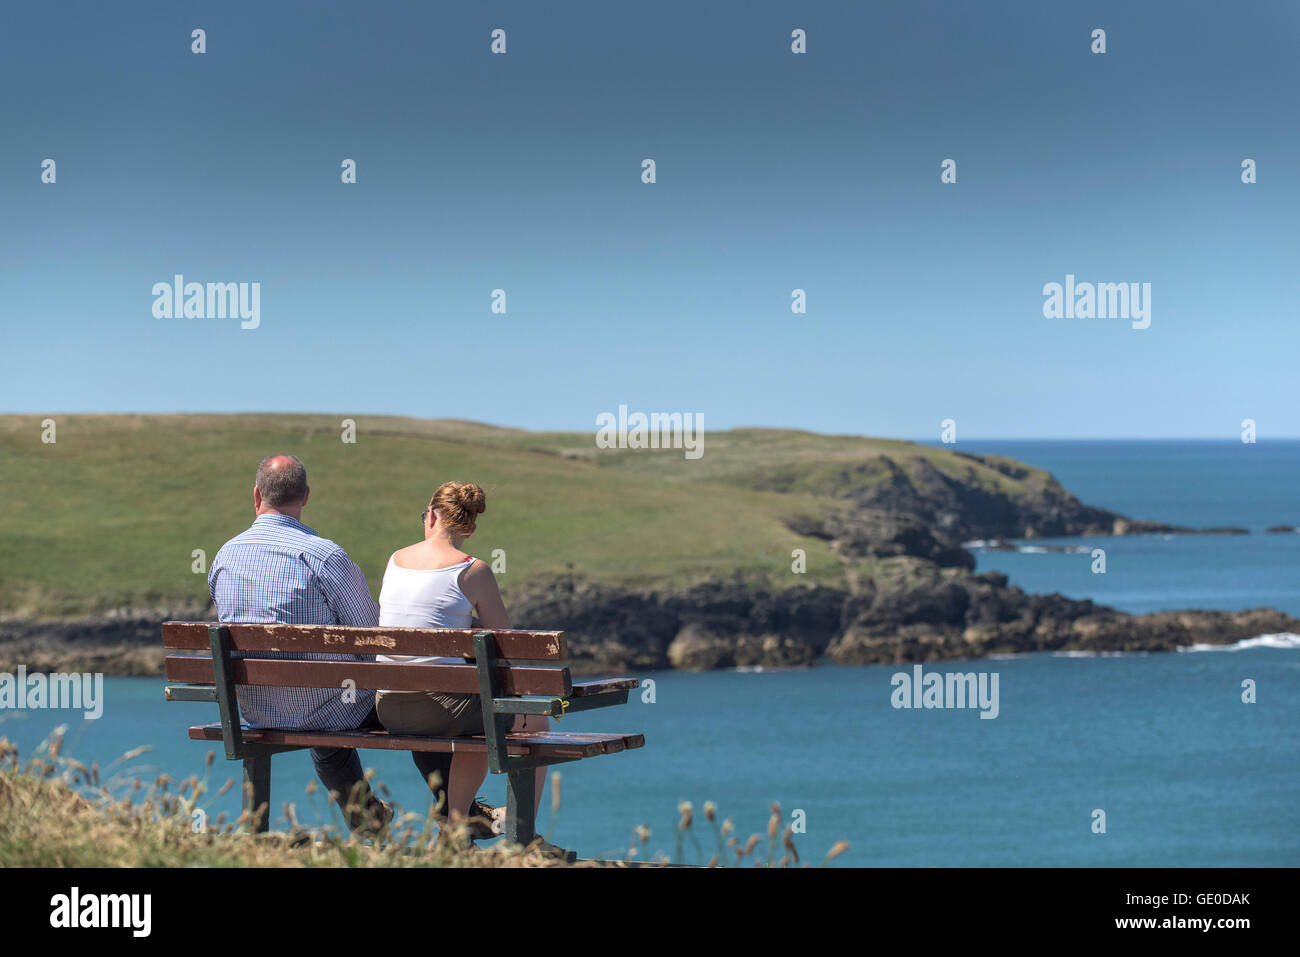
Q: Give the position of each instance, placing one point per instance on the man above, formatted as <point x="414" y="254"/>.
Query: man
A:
<point x="280" y="570"/>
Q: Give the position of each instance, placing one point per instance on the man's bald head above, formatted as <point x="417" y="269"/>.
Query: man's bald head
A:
<point x="281" y="482"/>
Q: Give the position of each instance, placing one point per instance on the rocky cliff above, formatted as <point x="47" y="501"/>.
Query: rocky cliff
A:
<point x="910" y="595"/>
<point x="962" y="504"/>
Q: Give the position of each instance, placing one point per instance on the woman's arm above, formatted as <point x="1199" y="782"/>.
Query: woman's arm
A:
<point x="480" y="587"/>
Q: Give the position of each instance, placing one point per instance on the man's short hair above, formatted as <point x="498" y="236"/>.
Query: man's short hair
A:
<point x="286" y="485"/>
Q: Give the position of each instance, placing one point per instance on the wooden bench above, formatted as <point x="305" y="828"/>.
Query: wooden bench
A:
<point x="506" y="689"/>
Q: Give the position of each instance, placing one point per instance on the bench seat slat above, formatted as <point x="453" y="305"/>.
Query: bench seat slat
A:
<point x="603" y="686"/>
<point x="372" y="675"/>
<point x="611" y="742"/>
<point x="512" y="643"/>
<point x="531" y="743"/>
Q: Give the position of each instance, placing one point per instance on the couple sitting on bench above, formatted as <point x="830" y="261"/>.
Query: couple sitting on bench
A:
<point x="281" y="571"/>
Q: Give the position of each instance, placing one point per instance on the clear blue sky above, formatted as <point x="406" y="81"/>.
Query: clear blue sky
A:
<point x="775" y="171"/>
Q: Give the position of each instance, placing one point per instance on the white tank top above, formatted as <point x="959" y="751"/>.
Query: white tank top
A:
<point x="424" y="598"/>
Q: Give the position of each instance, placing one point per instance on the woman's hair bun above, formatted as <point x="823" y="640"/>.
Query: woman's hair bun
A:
<point x="458" y="505"/>
<point x="471" y="498"/>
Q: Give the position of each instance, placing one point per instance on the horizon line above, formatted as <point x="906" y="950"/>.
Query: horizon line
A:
<point x="902" y="438"/>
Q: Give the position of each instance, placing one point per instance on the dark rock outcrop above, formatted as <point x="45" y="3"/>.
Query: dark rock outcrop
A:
<point x="710" y="625"/>
<point x="119" y="642"/>
<point x="967" y="507"/>
<point x="922" y="614"/>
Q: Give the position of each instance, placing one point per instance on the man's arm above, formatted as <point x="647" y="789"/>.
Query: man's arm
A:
<point x="212" y="583"/>
<point x="347" y="593"/>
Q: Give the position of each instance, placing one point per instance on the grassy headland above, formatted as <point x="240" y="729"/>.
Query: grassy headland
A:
<point x="648" y="559"/>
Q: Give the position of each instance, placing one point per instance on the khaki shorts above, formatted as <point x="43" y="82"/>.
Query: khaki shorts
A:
<point x="434" y="713"/>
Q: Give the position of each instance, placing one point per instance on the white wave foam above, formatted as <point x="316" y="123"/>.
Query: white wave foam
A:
<point x="1283" y="640"/>
<point x="1096" y="654"/>
<point x="1002" y="545"/>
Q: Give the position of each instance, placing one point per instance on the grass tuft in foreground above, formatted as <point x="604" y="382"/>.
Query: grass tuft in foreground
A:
<point x="57" y="812"/>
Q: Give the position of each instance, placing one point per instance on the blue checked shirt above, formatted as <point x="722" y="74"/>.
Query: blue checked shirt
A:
<point x="281" y="571"/>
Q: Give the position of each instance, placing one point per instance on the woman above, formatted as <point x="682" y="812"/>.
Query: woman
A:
<point x="434" y="584"/>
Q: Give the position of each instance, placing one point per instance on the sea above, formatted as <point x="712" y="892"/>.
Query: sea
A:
<point x="1166" y="759"/>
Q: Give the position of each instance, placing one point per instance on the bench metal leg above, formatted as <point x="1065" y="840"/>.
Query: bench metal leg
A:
<point x="521" y="799"/>
<point x="257" y="789"/>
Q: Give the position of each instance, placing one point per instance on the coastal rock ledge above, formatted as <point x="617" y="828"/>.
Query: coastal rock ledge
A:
<point x="944" y="614"/>
<point x="720" y="625"/>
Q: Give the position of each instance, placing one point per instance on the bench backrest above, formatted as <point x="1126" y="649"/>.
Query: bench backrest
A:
<point x="247" y="640"/>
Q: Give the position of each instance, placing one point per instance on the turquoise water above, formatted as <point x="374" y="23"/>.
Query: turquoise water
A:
<point x="1185" y="772"/>
<point x="1197" y="484"/>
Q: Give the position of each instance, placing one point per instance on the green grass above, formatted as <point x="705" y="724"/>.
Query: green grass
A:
<point x="57" y="812"/>
<point x="789" y="459"/>
<point x="110" y="514"/>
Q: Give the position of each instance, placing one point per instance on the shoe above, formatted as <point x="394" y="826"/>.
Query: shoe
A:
<point x="553" y="850"/>
<point x="374" y="819"/>
<point x="485" y="821"/>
